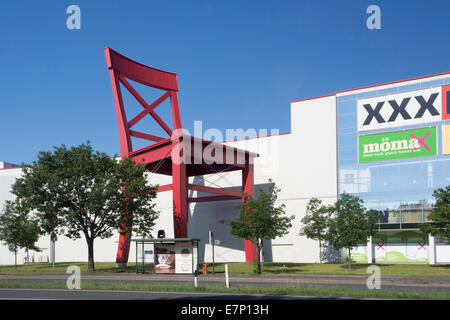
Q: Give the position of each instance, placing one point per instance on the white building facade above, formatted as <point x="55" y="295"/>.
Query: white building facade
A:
<point x="387" y="144"/>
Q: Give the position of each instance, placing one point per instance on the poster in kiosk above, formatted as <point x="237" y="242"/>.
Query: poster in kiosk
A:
<point x="175" y="257"/>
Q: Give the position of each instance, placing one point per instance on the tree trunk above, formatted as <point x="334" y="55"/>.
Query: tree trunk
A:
<point x="259" y="257"/>
<point x="90" y="243"/>
<point x="349" y="259"/>
<point x="15" y="259"/>
<point x="320" y="251"/>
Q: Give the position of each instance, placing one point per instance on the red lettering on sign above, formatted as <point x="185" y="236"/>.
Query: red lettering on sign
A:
<point x="445" y="105"/>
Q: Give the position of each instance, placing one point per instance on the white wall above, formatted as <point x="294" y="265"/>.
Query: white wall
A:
<point x="105" y="250"/>
<point x="302" y="164"/>
<point x="66" y="249"/>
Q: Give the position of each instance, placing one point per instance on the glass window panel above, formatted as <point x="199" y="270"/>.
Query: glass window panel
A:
<point x="390" y="207"/>
<point x="370" y="200"/>
<point x="350" y="178"/>
<point x="387" y="91"/>
<point x="383" y="216"/>
<point x="442" y="158"/>
<point x="375" y="183"/>
<point x="347" y="121"/>
<point x="412" y="181"/>
<point x="447" y="80"/>
<point x="412" y="207"/>
<point x="367" y="94"/>
<point x="413" y="214"/>
<point x="340" y="188"/>
<point x="390" y="199"/>
<point x="410" y="168"/>
<point x="368" y="171"/>
<point x="434" y="172"/>
<point x="345" y="169"/>
<point x="428" y="198"/>
<point x="347" y="153"/>
<point x="348" y="162"/>
<point x="347" y="130"/>
<point x="391" y="215"/>
<point x="409" y="87"/>
<point x="372" y="205"/>
<point x="433" y="166"/>
<point x="429" y="202"/>
<point x="388" y="183"/>
<point x="447" y="165"/>
<point x="345" y="140"/>
<point x="348" y="185"/>
<point x="413" y="196"/>
<point x="428" y="205"/>
<point x="345" y="98"/>
<point x="432" y="83"/>
<point x="346" y="107"/>
<point x="436" y="180"/>
<point x="365" y="185"/>
<point x="389" y="170"/>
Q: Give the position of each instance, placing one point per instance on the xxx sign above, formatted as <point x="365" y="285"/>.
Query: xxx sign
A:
<point x="404" y="109"/>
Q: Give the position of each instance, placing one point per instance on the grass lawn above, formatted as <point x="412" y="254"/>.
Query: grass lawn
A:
<point x="409" y="270"/>
<point x="414" y="270"/>
<point x="61" y="268"/>
<point x="269" y="268"/>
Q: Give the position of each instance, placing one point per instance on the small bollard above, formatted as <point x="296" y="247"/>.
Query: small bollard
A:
<point x="196" y="278"/>
<point x="227" y="280"/>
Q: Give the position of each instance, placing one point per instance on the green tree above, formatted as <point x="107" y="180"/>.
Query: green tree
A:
<point x="261" y="219"/>
<point x="315" y="222"/>
<point x="18" y="230"/>
<point x="350" y="224"/>
<point x="440" y="215"/>
<point x="78" y="191"/>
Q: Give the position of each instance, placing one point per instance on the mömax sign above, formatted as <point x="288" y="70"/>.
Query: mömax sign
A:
<point x="397" y="145"/>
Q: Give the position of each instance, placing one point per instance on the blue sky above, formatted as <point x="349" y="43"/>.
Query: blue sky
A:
<point x="239" y="63"/>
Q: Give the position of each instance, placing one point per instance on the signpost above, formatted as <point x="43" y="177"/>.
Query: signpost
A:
<point x="212" y="242"/>
<point x="227" y="279"/>
<point x="53" y="239"/>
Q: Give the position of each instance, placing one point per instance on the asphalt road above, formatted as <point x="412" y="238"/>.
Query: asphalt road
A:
<point x="182" y="305"/>
<point x="65" y="294"/>
<point x="399" y="284"/>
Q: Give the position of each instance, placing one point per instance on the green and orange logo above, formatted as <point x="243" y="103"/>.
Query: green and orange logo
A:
<point x="398" y="145"/>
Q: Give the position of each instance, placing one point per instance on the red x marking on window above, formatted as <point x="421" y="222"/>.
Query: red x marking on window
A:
<point x="422" y="244"/>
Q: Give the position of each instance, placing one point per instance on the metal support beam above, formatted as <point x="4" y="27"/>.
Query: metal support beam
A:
<point x="222" y="191"/>
<point x="213" y="198"/>
<point x="248" y="187"/>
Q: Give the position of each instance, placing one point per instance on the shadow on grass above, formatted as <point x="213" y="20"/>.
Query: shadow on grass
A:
<point x="316" y="268"/>
<point x="354" y="266"/>
<point x="284" y="268"/>
<point x="440" y="266"/>
<point x="127" y="269"/>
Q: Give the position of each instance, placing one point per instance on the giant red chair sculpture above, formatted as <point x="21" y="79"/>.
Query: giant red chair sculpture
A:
<point x="181" y="164"/>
